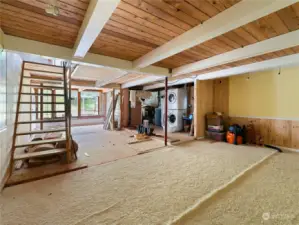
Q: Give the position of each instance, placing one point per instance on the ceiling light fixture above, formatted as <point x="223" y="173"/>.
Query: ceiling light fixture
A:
<point x="52" y="8"/>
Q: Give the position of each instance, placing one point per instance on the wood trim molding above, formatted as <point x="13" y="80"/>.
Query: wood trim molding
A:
<point x="140" y="81"/>
<point x="267" y="118"/>
<point x="171" y="83"/>
<point x="5" y="178"/>
<point x="290" y="60"/>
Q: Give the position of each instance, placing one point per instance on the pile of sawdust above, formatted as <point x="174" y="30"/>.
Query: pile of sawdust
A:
<point x="268" y="195"/>
<point x="146" y="189"/>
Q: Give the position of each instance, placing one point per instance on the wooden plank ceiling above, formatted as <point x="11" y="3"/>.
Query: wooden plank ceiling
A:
<point x="139" y="26"/>
<point x="28" y="19"/>
<point x="275" y="24"/>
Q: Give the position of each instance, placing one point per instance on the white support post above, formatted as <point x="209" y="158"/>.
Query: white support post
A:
<point x="284" y="41"/>
<point x="18" y="44"/>
<point x="97" y="14"/>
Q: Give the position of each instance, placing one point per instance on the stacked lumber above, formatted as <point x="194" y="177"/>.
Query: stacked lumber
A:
<point x="108" y="122"/>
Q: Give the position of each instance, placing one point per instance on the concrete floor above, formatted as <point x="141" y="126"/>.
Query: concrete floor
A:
<point x="157" y="187"/>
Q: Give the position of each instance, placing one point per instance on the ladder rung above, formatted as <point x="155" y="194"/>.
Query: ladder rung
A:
<point x="42" y="121"/>
<point x="62" y="111"/>
<point x="42" y="131"/>
<point x="44" y="78"/>
<point x="43" y="64"/>
<point x="44" y="87"/>
<point x="60" y="103"/>
<point x="43" y="71"/>
<point x="40" y="154"/>
<point x="33" y="94"/>
<point x="40" y="142"/>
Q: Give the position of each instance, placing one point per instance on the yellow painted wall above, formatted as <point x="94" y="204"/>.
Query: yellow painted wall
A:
<point x="265" y="94"/>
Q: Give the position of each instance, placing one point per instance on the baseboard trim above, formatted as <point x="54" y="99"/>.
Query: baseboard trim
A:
<point x="263" y="117"/>
<point x="5" y="179"/>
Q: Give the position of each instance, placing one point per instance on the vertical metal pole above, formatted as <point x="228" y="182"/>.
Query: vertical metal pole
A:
<point x="166" y="111"/>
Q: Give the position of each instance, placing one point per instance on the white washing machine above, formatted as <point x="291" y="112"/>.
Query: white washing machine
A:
<point x="175" y="121"/>
<point x="177" y="98"/>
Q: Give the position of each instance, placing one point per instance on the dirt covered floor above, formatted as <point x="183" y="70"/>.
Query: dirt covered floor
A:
<point x="267" y="195"/>
<point x="146" y="189"/>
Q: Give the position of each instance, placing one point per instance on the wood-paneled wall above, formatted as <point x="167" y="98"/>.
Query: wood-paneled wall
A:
<point x="213" y="95"/>
<point x="284" y="133"/>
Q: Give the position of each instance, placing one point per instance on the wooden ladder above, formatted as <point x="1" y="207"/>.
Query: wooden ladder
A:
<point x="60" y="77"/>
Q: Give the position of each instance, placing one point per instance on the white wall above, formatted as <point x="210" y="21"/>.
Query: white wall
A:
<point x="153" y="100"/>
<point x="14" y="67"/>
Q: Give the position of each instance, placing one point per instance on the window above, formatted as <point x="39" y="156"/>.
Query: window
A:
<point x="74" y="103"/>
<point x="59" y="107"/>
<point x="89" y="103"/>
<point x="102" y="102"/>
<point x="47" y="104"/>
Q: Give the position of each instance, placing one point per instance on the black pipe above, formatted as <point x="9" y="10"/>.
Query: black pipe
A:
<point x="273" y="147"/>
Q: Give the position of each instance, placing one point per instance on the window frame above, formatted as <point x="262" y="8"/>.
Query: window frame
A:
<point x="80" y="116"/>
